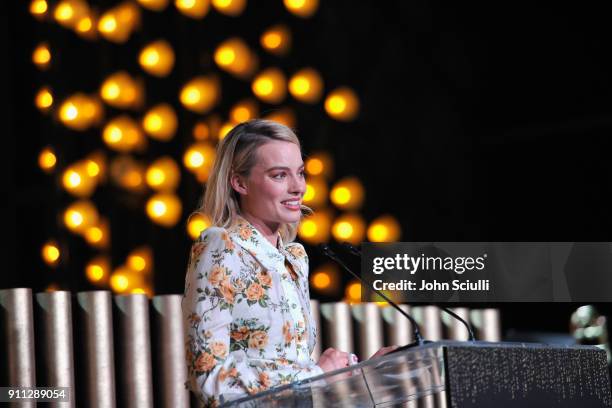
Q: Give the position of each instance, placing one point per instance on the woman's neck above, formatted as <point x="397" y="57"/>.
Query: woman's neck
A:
<point x="268" y="230"/>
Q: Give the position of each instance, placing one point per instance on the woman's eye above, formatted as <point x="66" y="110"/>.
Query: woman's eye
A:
<point x="279" y="176"/>
<point x="302" y="174"/>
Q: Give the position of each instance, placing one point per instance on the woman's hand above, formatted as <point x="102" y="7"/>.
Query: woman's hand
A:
<point x="384" y="351"/>
<point x="332" y="359"/>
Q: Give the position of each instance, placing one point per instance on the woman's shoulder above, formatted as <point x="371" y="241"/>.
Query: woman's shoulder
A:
<point x="213" y="238"/>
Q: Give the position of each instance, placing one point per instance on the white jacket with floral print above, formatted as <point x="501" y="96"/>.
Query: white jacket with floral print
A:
<point x="246" y="310"/>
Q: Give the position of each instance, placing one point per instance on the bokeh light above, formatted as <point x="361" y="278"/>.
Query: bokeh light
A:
<point x="120" y="90"/>
<point x="80" y="111"/>
<point x="41" y="56"/>
<point x="315" y="228"/>
<point x="276" y="40"/>
<point x="231" y="8"/>
<point x="98" y="235"/>
<point x="235" y="57"/>
<point x="98" y="270"/>
<point x="196" y="9"/>
<point x="140" y="260"/>
<point x="164" y="209"/>
<point x="80" y="215"/>
<point x="160" y="122"/>
<point x="306" y="85"/>
<point x="319" y="164"/>
<point x="197" y="224"/>
<point x="302" y="8"/>
<point x="270" y="85"/>
<point x="244" y="110"/>
<point x="163" y="174"/>
<point x="347" y="194"/>
<point x="43" y="99"/>
<point x="154" y="5"/>
<point x="123" y="135"/>
<point x="385" y="228"/>
<point x="200" y="94"/>
<point x="342" y="104"/>
<point x="316" y="192"/>
<point x="47" y="159"/>
<point x="50" y="253"/>
<point x="349" y="227"/>
<point x="157" y="58"/>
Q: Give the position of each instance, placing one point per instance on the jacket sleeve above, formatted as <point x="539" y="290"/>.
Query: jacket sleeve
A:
<point x="212" y="286"/>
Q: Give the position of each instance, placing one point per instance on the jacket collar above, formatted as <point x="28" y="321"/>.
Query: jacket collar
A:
<point x="248" y="237"/>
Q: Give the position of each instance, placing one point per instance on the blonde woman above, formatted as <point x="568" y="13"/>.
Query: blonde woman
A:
<point x="246" y="305"/>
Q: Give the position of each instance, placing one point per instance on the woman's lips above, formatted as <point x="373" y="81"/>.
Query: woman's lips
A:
<point x="293" y="205"/>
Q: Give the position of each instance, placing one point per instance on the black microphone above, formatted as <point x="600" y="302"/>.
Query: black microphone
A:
<point x="327" y="251"/>
<point x="357" y="252"/>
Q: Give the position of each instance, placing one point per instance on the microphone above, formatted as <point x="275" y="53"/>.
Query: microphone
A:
<point x="327" y="251"/>
<point x="357" y="252"/>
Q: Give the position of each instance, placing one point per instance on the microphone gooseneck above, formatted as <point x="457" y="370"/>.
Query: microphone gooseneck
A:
<point x="357" y="252"/>
<point x="327" y="251"/>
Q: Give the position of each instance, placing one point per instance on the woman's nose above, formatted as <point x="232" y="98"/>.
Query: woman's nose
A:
<point x="297" y="186"/>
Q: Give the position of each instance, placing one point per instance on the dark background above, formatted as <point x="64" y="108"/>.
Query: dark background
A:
<point x="479" y="122"/>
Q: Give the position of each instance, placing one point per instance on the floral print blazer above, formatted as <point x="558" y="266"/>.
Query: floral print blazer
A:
<point x="246" y="310"/>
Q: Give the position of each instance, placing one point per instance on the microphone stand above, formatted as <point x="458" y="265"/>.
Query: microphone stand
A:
<point x="357" y="252"/>
<point x="327" y="251"/>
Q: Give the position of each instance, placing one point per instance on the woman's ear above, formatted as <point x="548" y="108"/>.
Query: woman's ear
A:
<point x="238" y="184"/>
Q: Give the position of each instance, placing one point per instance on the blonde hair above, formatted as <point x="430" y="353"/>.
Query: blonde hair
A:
<point x="237" y="154"/>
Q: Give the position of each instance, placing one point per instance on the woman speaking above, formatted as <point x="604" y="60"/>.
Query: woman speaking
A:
<point x="246" y="305"/>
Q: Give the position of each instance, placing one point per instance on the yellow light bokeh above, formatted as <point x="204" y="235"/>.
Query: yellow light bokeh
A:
<point x="38" y="8"/>
<point x="80" y="215"/>
<point x="384" y="229"/>
<point x="319" y="164"/>
<point x="118" y="23"/>
<point x="41" y="56"/>
<point x="197" y="223"/>
<point x="316" y="192"/>
<point x="47" y="159"/>
<point x="157" y="58"/>
<point x="160" y="122"/>
<point x="325" y="278"/>
<point x="154" y="5"/>
<point x="321" y="280"/>
<point x="123" y="279"/>
<point x="347" y="194"/>
<point x="193" y="8"/>
<point x="128" y="173"/>
<point x="164" y="209"/>
<point x="199" y="155"/>
<point x="123" y="135"/>
<point x="276" y="39"/>
<point x="80" y="111"/>
<point x="302" y="8"/>
<point x="270" y="86"/>
<point x="231" y="8"/>
<point x="163" y="174"/>
<point x="342" y="104"/>
<point x="68" y="12"/>
<point x="77" y="181"/>
<point x="306" y="85"/>
<point x="315" y="228"/>
<point x="98" y="235"/>
<point x="200" y="94"/>
<point x="120" y="90"/>
<point x="244" y="110"/>
<point x="44" y="99"/>
<point x="98" y="270"/>
<point x="349" y="227"/>
<point x="234" y="56"/>
<point x="141" y="260"/>
<point x="353" y="292"/>
<point x="50" y="253"/>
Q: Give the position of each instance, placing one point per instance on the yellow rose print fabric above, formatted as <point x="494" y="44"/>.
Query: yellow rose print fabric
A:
<point x="246" y="310"/>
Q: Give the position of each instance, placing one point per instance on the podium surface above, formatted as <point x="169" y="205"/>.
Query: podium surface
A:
<point x="456" y="374"/>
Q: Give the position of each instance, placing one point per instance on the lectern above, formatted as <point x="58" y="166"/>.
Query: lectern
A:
<point x="457" y="375"/>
